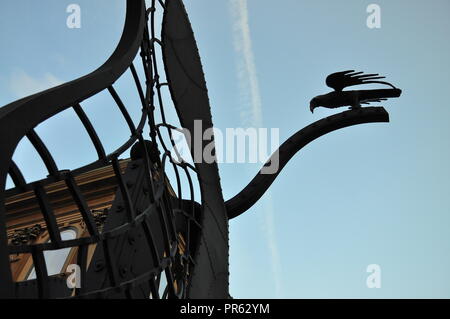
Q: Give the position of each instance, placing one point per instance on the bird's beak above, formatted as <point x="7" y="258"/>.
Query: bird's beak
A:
<point x="311" y="107"/>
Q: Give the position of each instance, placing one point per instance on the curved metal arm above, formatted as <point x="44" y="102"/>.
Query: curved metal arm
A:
<point x="248" y="196"/>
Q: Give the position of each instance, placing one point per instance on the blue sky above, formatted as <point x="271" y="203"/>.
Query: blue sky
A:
<point x="372" y="194"/>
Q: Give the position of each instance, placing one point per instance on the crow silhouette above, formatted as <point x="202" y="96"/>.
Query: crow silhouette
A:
<point x="338" y="98"/>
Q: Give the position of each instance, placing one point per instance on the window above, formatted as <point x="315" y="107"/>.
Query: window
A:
<point x="55" y="259"/>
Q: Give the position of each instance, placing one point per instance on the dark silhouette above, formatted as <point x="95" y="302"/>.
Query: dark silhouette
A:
<point x="137" y="151"/>
<point x="156" y="238"/>
<point x="338" y="98"/>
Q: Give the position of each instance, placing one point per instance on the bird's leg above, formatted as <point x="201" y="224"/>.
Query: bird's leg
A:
<point x="356" y="103"/>
<point x="355" y="106"/>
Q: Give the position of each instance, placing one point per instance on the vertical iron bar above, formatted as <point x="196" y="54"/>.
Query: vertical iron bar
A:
<point x="138" y="85"/>
<point x="149" y="81"/>
<point x="153" y="289"/>
<point x="110" y="263"/>
<point x="151" y="242"/>
<point x="170" y="283"/>
<point x="48" y="213"/>
<point x="82" y="255"/>
<point x="148" y="171"/>
<point x="40" y="268"/>
<point x="123" y="190"/>
<point x="7" y="286"/>
<point x="81" y="204"/>
<point x="167" y="208"/>
<point x="177" y="177"/>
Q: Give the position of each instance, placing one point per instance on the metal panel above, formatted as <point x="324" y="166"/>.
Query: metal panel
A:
<point x="189" y="93"/>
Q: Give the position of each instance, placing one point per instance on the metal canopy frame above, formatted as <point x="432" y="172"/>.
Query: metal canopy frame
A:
<point x="142" y="177"/>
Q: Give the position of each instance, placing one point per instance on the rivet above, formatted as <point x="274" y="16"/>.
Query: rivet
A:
<point x="123" y="271"/>
<point x="99" y="265"/>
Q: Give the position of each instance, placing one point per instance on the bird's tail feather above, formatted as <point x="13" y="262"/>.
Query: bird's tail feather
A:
<point x="379" y="94"/>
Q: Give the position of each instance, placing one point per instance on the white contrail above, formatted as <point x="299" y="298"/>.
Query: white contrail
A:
<point x="252" y="115"/>
<point x="248" y="79"/>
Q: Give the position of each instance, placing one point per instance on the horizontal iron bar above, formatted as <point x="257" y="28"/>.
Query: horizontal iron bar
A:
<point x="113" y="233"/>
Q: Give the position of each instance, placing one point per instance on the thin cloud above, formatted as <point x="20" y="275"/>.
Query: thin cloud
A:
<point x="252" y="115"/>
<point x="22" y="84"/>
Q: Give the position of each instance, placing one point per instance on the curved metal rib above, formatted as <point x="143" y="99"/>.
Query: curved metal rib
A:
<point x="248" y="196"/>
<point x="16" y="175"/>
<point x="91" y="131"/>
<point x="43" y="152"/>
<point x="29" y="111"/>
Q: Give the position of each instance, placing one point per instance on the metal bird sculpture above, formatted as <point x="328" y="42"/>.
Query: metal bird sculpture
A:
<point x="338" y="98"/>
